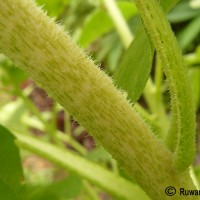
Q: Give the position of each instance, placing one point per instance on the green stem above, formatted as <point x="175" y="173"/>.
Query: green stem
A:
<point x="194" y="178"/>
<point x="192" y="59"/>
<point x="79" y="130"/>
<point x="86" y="169"/>
<point x="67" y="124"/>
<point x="114" y="166"/>
<point x="161" y="111"/>
<point x="158" y="79"/>
<point x="181" y="135"/>
<point x="90" y="191"/>
<point x="149" y="95"/>
<point x="156" y="106"/>
<point x="119" y="22"/>
<point x="72" y="142"/>
<point x="30" y="105"/>
<point x="149" y="118"/>
<point x="53" y="125"/>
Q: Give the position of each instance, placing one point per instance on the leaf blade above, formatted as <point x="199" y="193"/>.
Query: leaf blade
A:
<point x="10" y="166"/>
<point x="134" y="69"/>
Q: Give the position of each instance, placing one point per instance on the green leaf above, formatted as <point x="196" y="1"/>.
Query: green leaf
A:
<point x="11" y="174"/>
<point x="9" y="74"/>
<point x="67" y="188"/>
<point x="6" y="192"/>
<point x="100" y="23"/>
<point x="189" y="33"/>
<point x="168" y="4"/>
<point x="53" y="7"/>
<point x="99" y="154"/>
<point x="134" y="69"/>
<point x="183" y="11"/>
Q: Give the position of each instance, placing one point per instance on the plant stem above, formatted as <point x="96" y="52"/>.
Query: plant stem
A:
<point x="149" y="118"/>
<point x="161" y="111"/>
<point x="119" y="22"/>
<point x="42" y="49"/>
<point x="67" y="124"/>
<point x="114" y="166"/>
<point x="72" y="142"/>
<point x="53" y="125"/>
<point x="86" y="169"/>
<point x="156" y="106"/>
<point x="182" y="132"/>
<point x="79" y="130"/>
<point x="158" y="79"/>
<point x="90" y="191"/>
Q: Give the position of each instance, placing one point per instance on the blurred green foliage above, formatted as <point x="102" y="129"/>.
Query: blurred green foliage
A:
<point x="54" y="8"/>
<point x="10" y="177"/>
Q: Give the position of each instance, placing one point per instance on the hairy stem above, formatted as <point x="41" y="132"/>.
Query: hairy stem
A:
<point x="182" y="132"/>
<point x="42" y="49"/>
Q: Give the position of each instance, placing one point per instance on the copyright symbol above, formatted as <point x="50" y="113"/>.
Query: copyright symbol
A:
<point x="170" y="191"/>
